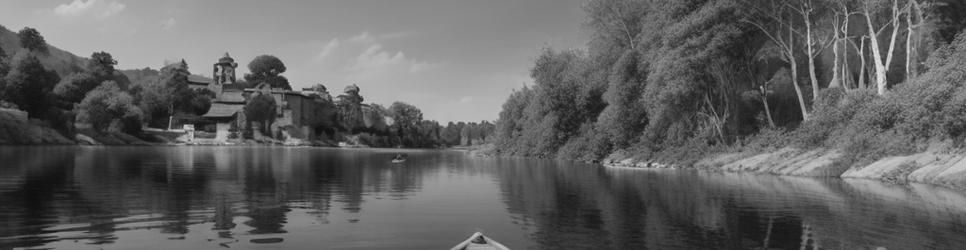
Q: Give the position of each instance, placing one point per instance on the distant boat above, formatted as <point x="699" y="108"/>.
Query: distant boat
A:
<point x="400" y="158"/>
<point x="481" y="242"/>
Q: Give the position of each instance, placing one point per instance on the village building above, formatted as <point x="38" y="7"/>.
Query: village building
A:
<point x="296" y="110"/>
<point x="226" y="114"/>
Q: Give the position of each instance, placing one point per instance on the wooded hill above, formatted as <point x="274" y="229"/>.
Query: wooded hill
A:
<point x="678" y="80"/>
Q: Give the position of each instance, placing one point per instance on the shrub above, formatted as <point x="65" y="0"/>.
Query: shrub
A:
<point x="106" y="104"/>
<point x="590" y="145"/>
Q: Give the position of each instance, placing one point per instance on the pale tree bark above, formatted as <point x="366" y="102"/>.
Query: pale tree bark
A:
<point x="776" y="15"/>
<point x="813" y="45"/>
<point x="846" y="72"/>
<point x="912" y="47"/>
<point x="882" y="66"/>
<point x="837" y="57"/>
<point x="860" y="50"/>
<point x="909" y="40"/>
<point x="794" y="69"/>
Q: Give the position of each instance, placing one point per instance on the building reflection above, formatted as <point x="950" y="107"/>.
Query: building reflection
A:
<point x="88" y="194"/>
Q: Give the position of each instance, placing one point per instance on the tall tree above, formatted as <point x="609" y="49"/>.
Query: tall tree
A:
<point x="261" y="109"/>
<point x="405" y="117"/>
<point x="31" y="40"/>
<point x="773" y="19"/>
<point x="268" y="69"/>
<point x="28" y="85"/>
<point x="881" y="65"/>
<point x="101" y="65"/>
<point x="814" y="41"/>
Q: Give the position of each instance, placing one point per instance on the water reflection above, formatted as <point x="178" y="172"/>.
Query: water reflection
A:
<point x="674" y="209"/>
<point x="306" y="198"/>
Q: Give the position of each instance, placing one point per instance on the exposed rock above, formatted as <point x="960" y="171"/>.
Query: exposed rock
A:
<point x="935" y="166"/>
<point x="86" y="140"/>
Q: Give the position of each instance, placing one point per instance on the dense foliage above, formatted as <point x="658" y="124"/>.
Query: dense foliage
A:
<point x="663" y="78"/>
<point x="267" y="68"/>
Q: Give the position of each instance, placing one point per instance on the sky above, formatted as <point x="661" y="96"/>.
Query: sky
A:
<point x="456" y="60"/>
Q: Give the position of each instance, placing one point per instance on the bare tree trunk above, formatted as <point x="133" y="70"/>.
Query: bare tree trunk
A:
<point x="863" y="71"/>
<point x="882" y="66"/>
<point x="806" y="12"/>
<point x="794" y="69"/>
<point x="837" y="61"/>
<point x="846" y="73"/>
<point x="764" y="102"/>
<point x="909" y="33"/>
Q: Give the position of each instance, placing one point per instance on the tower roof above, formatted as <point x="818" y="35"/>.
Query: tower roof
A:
<point x="351" y="88"/>
<point x="226" y="59"/>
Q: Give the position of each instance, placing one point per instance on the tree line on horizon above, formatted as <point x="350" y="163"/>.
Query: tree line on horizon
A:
<point x="680" y="78"/>
<point x="125" y="101"/>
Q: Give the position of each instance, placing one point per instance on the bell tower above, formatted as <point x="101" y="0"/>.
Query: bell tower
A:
<point x="223" y="71"/>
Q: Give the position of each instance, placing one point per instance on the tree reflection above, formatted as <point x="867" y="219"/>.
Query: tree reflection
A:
<point x="55" y="194"/>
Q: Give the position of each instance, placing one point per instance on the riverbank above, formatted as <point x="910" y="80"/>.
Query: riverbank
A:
<point x="940" y="164"/>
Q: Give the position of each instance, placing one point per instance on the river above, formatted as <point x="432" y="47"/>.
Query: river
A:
<point x="314" y="198"/>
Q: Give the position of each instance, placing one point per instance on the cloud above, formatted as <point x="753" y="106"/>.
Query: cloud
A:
<point x="169" y="23"/>
<point x="95" y="8"/>
<point x="111" y="9"/>
<point x="466" y="99"/>
<point x="75" y="8"/>
<point x="365" y="37"/>
<point x="327" y="49"/>
<point x="375" y="57"/>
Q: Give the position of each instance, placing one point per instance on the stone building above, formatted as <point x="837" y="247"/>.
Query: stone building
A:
<point x="226" y="114"/>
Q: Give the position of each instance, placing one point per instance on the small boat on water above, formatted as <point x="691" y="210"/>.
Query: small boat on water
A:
<point x="479" y="242"/>
<point x="400" y="158"/>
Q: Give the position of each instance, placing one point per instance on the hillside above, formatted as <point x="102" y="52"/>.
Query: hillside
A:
<point x="58" y="60"/>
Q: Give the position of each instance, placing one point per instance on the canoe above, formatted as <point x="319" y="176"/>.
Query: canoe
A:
<point x="398" y="160"/>
<point x="479" y="242"/>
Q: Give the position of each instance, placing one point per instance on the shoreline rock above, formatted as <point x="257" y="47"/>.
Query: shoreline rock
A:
<point x="935" y="166"/>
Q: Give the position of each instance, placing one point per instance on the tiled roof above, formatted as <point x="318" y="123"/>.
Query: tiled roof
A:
<point x="196" y="79"/>
<point x="228" y="96"/>
<point x="223" y="110"/>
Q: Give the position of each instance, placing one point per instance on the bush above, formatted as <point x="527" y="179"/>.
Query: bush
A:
<point x="590" y="146"/>
<point x="106" y="104"/>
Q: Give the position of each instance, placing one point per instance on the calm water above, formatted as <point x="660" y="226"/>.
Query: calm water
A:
<point x="309" y="198"/>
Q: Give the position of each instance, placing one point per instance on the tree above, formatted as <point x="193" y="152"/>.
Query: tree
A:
<point x="814" y="42"/>
<point x="267" y="68"/>
<point x="28" y="85"/>
<point x="201" y="101"/>
<point x="773" y="19"/>
<point x="350" y="112"/>
<point x="31" y="40"/>
<point x="618" y="22"/>
<point x="183" y="99"/>
<point x="74" y="87"/>
<point x="108" y="108"/>
<point x="405" y="117"/>
<point x="623" y="117"/>
<point x="154" y="99"/>
<point x="261" y="109"/>
<point x="101" y="65"/>
<point x="881" y="66"/>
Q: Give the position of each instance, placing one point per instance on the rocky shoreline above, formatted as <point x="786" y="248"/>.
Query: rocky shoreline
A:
<point x="937" y="166"/>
